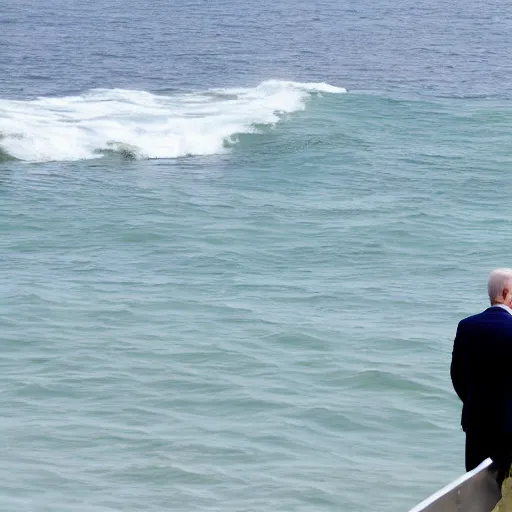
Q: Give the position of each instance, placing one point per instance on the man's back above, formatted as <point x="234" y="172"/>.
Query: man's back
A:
<point x="481" y="370"/>
<point x="481" y="373"/>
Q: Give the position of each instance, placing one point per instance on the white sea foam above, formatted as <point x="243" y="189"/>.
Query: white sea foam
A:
<point x="142" y="124"/>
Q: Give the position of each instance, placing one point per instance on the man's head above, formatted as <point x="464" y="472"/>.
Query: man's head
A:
<point x="499" y="286"/>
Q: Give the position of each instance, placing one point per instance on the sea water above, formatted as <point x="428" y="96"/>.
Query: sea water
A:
<point x="235" y="240"/>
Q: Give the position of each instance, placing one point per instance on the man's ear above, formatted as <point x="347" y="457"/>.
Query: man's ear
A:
<point x="506" y="291"/>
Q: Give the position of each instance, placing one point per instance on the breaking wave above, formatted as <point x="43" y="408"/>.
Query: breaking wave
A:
<point x="140" y="124"/>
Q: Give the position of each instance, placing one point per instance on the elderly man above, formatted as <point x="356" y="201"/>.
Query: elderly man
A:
<point x="481" y="372"/>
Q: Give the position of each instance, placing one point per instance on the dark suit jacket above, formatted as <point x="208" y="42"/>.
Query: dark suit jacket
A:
<point x="481" y="370"/>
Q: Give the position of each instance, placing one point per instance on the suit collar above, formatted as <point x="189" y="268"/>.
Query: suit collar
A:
<point x="500" y="308"/>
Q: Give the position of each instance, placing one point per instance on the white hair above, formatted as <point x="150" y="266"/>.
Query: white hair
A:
<point x="499" y="279"/>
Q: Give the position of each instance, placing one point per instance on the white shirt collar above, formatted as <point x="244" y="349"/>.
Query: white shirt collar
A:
<point x="502" y="306"/>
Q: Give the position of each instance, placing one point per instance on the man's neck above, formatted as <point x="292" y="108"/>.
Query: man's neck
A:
<point x="503" y="306"/>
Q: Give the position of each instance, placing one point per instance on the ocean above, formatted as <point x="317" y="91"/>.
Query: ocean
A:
<point x="236" y="239"/>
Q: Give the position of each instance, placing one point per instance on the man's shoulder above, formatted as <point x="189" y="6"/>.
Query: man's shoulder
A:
<point x="491" y="314"/>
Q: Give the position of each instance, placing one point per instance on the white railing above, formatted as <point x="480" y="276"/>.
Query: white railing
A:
<point x="476" y="491"/>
